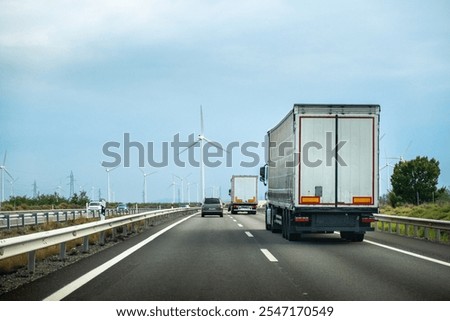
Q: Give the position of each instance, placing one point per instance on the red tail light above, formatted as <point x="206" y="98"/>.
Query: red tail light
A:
<point x="302" y="219"/>
<point x="367" y="219"/>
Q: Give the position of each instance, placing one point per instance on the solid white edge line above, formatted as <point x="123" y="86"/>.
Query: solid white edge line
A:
<point x="249" y="234"/>
<point x="426" y="258"/>
<point x="82" y="280"/>
<point x="269" y="255"/>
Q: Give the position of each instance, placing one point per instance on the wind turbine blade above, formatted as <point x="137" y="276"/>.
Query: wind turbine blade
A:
<point x="407" y="148"/>
<point x="190" y="146"/>
<point x="4" y="168"/>
<point x="4" y="158"/>
<point x="215" y="144"/>
<point x="202" y="127"/>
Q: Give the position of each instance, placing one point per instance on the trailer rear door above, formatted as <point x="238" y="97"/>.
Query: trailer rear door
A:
<point x="356" y="177"/>
<point x="337" y="167"/>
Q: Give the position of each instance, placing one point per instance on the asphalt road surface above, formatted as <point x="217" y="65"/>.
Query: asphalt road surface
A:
<point x="235" y="258"/>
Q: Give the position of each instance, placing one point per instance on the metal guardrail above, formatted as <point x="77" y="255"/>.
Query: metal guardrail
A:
<point x="32" y="242"/>
<point x="438" y="226"/>
<point x="10" y="220"/>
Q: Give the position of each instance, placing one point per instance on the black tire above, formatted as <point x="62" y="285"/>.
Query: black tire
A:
<point x="268" y="226"/>
<point x="283" y="225"/>
<point x="358" y="237"/>
<point x="291" y="236"/>
<point x="275" y="227"/>
<point x="345" y="236"/>
<point x="352" y="236"/>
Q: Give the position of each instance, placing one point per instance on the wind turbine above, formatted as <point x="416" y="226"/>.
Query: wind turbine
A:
<point x="201" y="139"/>
<point x="173" y="188"/>
<point x="182" y="185"/>
<point x="401" y="159"/>
<point x="3" y="170"/>
<point x="107" y="169"/>
<point x="145" y="184"/>
<point x="11" y="183"/>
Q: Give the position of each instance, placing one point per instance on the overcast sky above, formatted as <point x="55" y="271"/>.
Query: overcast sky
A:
<point x="75" y="75"/>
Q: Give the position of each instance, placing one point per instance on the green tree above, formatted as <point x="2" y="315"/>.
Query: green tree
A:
<point x="415" y="181"/>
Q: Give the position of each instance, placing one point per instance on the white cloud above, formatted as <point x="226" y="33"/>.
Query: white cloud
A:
<point x="63" y="30"/>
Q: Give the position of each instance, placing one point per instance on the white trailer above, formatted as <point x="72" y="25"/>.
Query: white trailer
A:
<point x="322" y="171"/>
<point x="244" y="193"/>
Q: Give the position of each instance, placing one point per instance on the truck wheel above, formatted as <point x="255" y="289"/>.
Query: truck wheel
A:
<point x="352" y="236"/>
<point x="291" y="236"/>
<point x="358" y="237"/>
<point x="283" y="225"/>
<point x="345" y="235"/>
<point x="275" y="227"/>
<point x="268" y="226"/>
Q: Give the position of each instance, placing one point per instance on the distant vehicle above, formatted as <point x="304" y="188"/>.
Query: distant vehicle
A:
<point x="122" y="208"/>
<point x="212" y="206"/>
<point x="95" y="206"/>
<point x="244" y="194"/>
<point x="322" y="171"/>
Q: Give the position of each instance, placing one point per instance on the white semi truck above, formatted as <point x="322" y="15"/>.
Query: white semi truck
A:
<point x="322" y="171"/>
<point x="244" y="193"/>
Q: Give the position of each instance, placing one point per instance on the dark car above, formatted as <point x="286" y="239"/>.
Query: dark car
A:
<point x="212" y="206"/>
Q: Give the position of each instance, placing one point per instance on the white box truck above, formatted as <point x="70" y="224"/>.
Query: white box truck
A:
<point x="244" y="194"/>
<point x="322" y="171"/>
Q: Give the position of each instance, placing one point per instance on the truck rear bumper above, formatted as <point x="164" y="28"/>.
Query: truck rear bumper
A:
<point x="250" y="208"/>
<point x="332" y="219"/>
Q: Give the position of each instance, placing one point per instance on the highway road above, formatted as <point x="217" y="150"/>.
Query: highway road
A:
<point x="235" y="258"/>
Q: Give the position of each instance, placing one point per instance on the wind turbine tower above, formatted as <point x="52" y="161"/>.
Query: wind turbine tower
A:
<point x="144" y="192"/>
<point x="201" y="138"/>
<point x="107" y="169"/>
<point x="3" y="170"/>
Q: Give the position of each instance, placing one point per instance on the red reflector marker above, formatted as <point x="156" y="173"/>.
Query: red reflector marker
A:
<point x="302" y="219"/>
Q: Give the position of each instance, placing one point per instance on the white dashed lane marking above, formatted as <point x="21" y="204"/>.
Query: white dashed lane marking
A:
<point x="269" y="255"/>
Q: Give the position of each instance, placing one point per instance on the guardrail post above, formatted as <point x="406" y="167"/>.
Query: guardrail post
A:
<point x="57" y="217"/>
<point x="46" y="217"/>
<point x="31" y="261"/>
<point x="101" y="240"/>
<point x="427" y="232"/>
<point x="8" y="222"/>
<point x="390" y="227"/>
<point x="22" y="216"/>
<point x="35" y="218"/>
<point x="438" y="234"/>
<point x="86" y="244"/>
<point x="62" y="251"/>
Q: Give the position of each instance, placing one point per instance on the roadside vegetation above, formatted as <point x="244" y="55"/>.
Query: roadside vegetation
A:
<point x="426" y="211"/>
